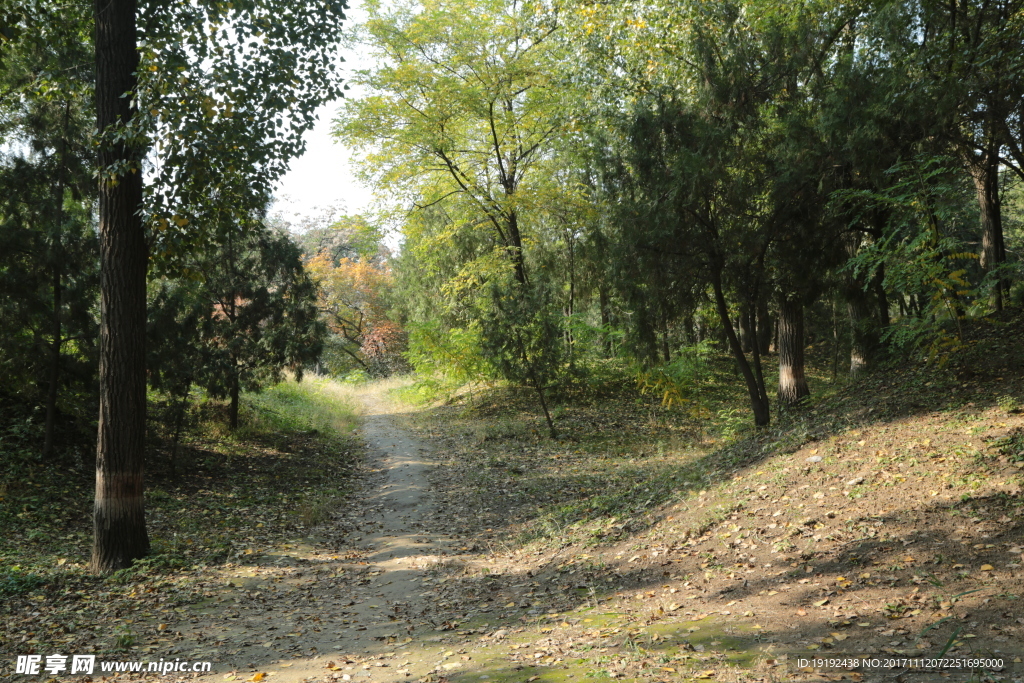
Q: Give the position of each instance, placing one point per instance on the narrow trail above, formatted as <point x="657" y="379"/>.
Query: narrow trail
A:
<point x="346" y="603"/>
<point x="396" y="543"/>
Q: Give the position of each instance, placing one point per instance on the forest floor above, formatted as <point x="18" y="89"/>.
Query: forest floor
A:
<point x="456" y="542"/>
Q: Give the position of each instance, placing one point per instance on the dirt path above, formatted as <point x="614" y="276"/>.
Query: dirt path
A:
<point x="345" y="604"/>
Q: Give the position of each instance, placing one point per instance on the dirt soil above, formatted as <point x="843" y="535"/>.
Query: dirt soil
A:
<point x="881" y="523"/>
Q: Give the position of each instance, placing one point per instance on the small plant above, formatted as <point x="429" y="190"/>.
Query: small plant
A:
<point x="1010" y="404"/>
<point x="125" y="638"/>
<point x="1012" y="445"/>
<point x="13" y="581"/>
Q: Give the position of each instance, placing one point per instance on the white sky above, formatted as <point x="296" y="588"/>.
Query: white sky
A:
<point x="323" y="177"/>
<point x="320" y="178"/>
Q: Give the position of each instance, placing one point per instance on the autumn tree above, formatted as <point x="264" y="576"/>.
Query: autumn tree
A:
<point x="354" y="302"/>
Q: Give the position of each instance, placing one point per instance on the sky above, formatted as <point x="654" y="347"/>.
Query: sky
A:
<point x="321" y="178"/>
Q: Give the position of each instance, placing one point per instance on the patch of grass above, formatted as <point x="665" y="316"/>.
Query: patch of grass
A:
<point x="313" y="406"/>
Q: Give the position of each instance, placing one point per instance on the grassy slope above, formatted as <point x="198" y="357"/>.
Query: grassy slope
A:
<point x="885" y="516"/>
<point x="281" y="473"/>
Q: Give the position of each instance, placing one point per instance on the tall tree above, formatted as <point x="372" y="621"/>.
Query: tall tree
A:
<point x="461" y="106"/>
<point x="968" y="53"/>
<point x="48" y="256"/>
<point x="227" y="91"/>
<point x="119" y="522"/>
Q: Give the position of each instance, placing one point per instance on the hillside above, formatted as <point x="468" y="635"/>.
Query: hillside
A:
<point x="883" y="518"/>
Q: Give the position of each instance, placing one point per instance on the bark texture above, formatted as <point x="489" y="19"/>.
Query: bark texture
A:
<point x="764" y="327"/>
<point x="746" y="328"/>
<point x="864" y="338"/>
<point x="985" y="174"/>
<point x="119" y="517"/>
<point x="792" y="382"/>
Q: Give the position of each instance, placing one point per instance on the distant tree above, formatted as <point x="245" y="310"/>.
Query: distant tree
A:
<point x="249" y="314"/>
<point x="340" y="236"/>
<point x="354" y="301"/>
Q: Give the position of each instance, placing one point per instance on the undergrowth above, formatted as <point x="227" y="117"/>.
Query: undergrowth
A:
<point x="284" y="471"/>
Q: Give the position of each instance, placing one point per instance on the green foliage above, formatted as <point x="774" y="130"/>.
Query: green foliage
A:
<point x="922" y="256"/>
<point x="445" y="359"/>
<point x="15" y="581"/>
<point x="521" y="338"/>
<point x="49" y="256"/>
<point x="249" y="314"/>
<point x="226" y="92"/>
<point x="679" y="382"/>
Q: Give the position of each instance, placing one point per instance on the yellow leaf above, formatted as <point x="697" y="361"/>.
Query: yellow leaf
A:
<point x="255" y="678"/>
<point x="987" y="567"/>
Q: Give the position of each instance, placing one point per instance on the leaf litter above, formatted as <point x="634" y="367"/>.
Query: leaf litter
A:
<point x="627" y="550"/>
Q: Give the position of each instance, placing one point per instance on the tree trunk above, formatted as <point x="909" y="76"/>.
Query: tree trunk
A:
<point x="985" y="173"/>
<point x="864" y="338"/>
<point x="605" y="321"/>
<point x="119" y="520"/>
<point x="689" y="333"/>
<point x="764" y="327"/>
<point x="755" y="350"/>
<point x="55" y="344"/>
<point x="792" y="383"/>
<point x="515" y="247"/>
<point x="835" y="341"/>
<point x="57" y="261"/>
<point x="666" y="347"/>
<point x="866" y="316"/>
<point x="233" y="410"/>
<point x="758" y="396"/>
<point x="881" y="297"/>
<point x="746" y="325"/>
<point x="535" y="381"/>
